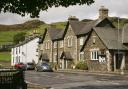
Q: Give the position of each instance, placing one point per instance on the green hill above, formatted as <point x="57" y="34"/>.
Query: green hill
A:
<point x="8" y="31"/>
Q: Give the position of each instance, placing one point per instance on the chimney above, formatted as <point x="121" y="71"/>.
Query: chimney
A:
<point x="73" y="18"/>
<point x="103" y="12"/>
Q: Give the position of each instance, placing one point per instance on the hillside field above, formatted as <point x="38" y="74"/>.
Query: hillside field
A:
<point x="5" y="56"/>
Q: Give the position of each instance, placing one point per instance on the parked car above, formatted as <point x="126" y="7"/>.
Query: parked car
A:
<point x="30" y="66"/>
<point x="20" y="66"/>
<point x="45" y="67"/>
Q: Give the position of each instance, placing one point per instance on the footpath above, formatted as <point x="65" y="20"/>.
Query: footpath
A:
<point x="125" y="73"/>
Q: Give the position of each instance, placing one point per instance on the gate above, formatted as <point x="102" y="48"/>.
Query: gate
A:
<point x="12" y="79"/>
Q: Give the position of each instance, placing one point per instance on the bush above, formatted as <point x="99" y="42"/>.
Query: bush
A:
<point x="81" y="65"/>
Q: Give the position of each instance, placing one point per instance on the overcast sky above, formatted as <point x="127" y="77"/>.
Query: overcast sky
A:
<point x="116" y="8"/>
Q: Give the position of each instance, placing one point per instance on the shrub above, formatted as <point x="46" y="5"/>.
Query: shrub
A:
<point x="81" y="65"/>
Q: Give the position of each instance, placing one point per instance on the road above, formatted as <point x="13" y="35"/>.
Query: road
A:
<point x="77" y="80"/>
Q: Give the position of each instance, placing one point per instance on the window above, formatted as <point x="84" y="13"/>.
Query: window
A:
<point x="55" y="44"/>
<point x="69" y="39"/>
<point x="19" y="49"/>
<point x="81" y="56"/>
<point x="94" y="39"/>
<point x="47" y="45"/>
<point x="81" y="41"/>
<point x="16" y="50"/>
<point x="61" y="44"/>
<point x="94" y="54"/>
<point x="55" y="57"/>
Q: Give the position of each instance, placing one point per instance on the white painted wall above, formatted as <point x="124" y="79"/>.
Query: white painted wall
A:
<point x="28" y="52"/>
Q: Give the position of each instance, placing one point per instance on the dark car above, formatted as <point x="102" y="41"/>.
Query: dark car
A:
<point x="30" y="66"/>
<point x="20" y="66"/>
<point x="45" y="67"/>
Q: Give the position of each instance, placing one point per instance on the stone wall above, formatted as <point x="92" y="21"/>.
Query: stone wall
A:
<point x="73" y="48"/>
<point x="95" y="65"/>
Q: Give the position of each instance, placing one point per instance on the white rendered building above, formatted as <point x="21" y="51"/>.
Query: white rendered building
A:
<point x="25" y="52"/>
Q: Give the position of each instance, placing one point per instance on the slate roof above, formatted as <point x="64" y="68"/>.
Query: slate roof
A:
<point x="125" y="34"/>
<point x="111" y="37"/>
<point x="55" y="33"/>
<point x="44" y="57"/>
<point x="77" y="26"/>
<point x="66" y="55"/>
<point x="81" y="28"/>
<point x="26" y="41"/>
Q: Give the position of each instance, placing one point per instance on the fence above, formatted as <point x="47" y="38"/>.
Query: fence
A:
<point x="12" y="79"/>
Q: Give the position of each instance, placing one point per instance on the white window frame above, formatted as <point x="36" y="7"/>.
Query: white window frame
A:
<point x="61" y="44"/>
<point x="55" y="44"/>
<point x="94" y="39"/>
<point x="80" y="58"/>
<point x="81" y="41"/>
<point x="94" y="54"/>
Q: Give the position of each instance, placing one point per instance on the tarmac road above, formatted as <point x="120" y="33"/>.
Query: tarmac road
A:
<point x="58" y="80"/>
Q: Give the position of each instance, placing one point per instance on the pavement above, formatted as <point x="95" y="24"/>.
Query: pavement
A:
<point x="125" y="73"/>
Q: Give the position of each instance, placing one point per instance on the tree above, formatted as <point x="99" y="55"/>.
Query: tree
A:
<point x="19" y="37"/>
<point x="33" y="7"/>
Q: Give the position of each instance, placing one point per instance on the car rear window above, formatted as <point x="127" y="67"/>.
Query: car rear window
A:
<point x="30" y="63"/>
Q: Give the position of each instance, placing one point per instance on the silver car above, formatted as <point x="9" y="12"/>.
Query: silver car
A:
<point x="44" y="67"/>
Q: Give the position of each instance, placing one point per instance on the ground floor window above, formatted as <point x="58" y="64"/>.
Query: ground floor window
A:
<point x="81" y="56"/>
<point x="94" y="54"/>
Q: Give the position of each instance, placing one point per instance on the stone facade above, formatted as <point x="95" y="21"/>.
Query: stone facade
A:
<point x="94" y="42"/>
<point x="80" y="42"/>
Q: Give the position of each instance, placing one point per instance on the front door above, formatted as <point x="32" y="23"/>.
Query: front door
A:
<point x="119" y="58"/>
<point x="64" y="64"/>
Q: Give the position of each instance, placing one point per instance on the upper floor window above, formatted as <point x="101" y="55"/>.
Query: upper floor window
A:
<point x="47" y="45"/>
<point x="69" y="39"/>
<point x="55" y="44"/>
<point x="61" y="44"/>
<point x="94" y="39"/>
<point x="19" y="49"/>
<point x="81" y="41"/>
<point x="94" y="54"/>
<point x="16" y="50"/>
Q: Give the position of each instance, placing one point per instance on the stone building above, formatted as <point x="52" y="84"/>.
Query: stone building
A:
<point x="97" y="42"/>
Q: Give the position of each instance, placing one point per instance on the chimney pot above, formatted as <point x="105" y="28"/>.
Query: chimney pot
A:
<point x="103" y="12"/>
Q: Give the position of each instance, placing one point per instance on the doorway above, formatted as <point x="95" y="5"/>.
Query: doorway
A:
<point x="119" y="58"/>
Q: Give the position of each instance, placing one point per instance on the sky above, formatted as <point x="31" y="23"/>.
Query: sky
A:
<point x="116" y="8"/>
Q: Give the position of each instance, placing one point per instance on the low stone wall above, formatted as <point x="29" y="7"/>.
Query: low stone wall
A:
<point x="95" y="65"/>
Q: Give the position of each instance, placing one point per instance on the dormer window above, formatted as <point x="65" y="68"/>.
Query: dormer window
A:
<point x="93" y="39"/>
